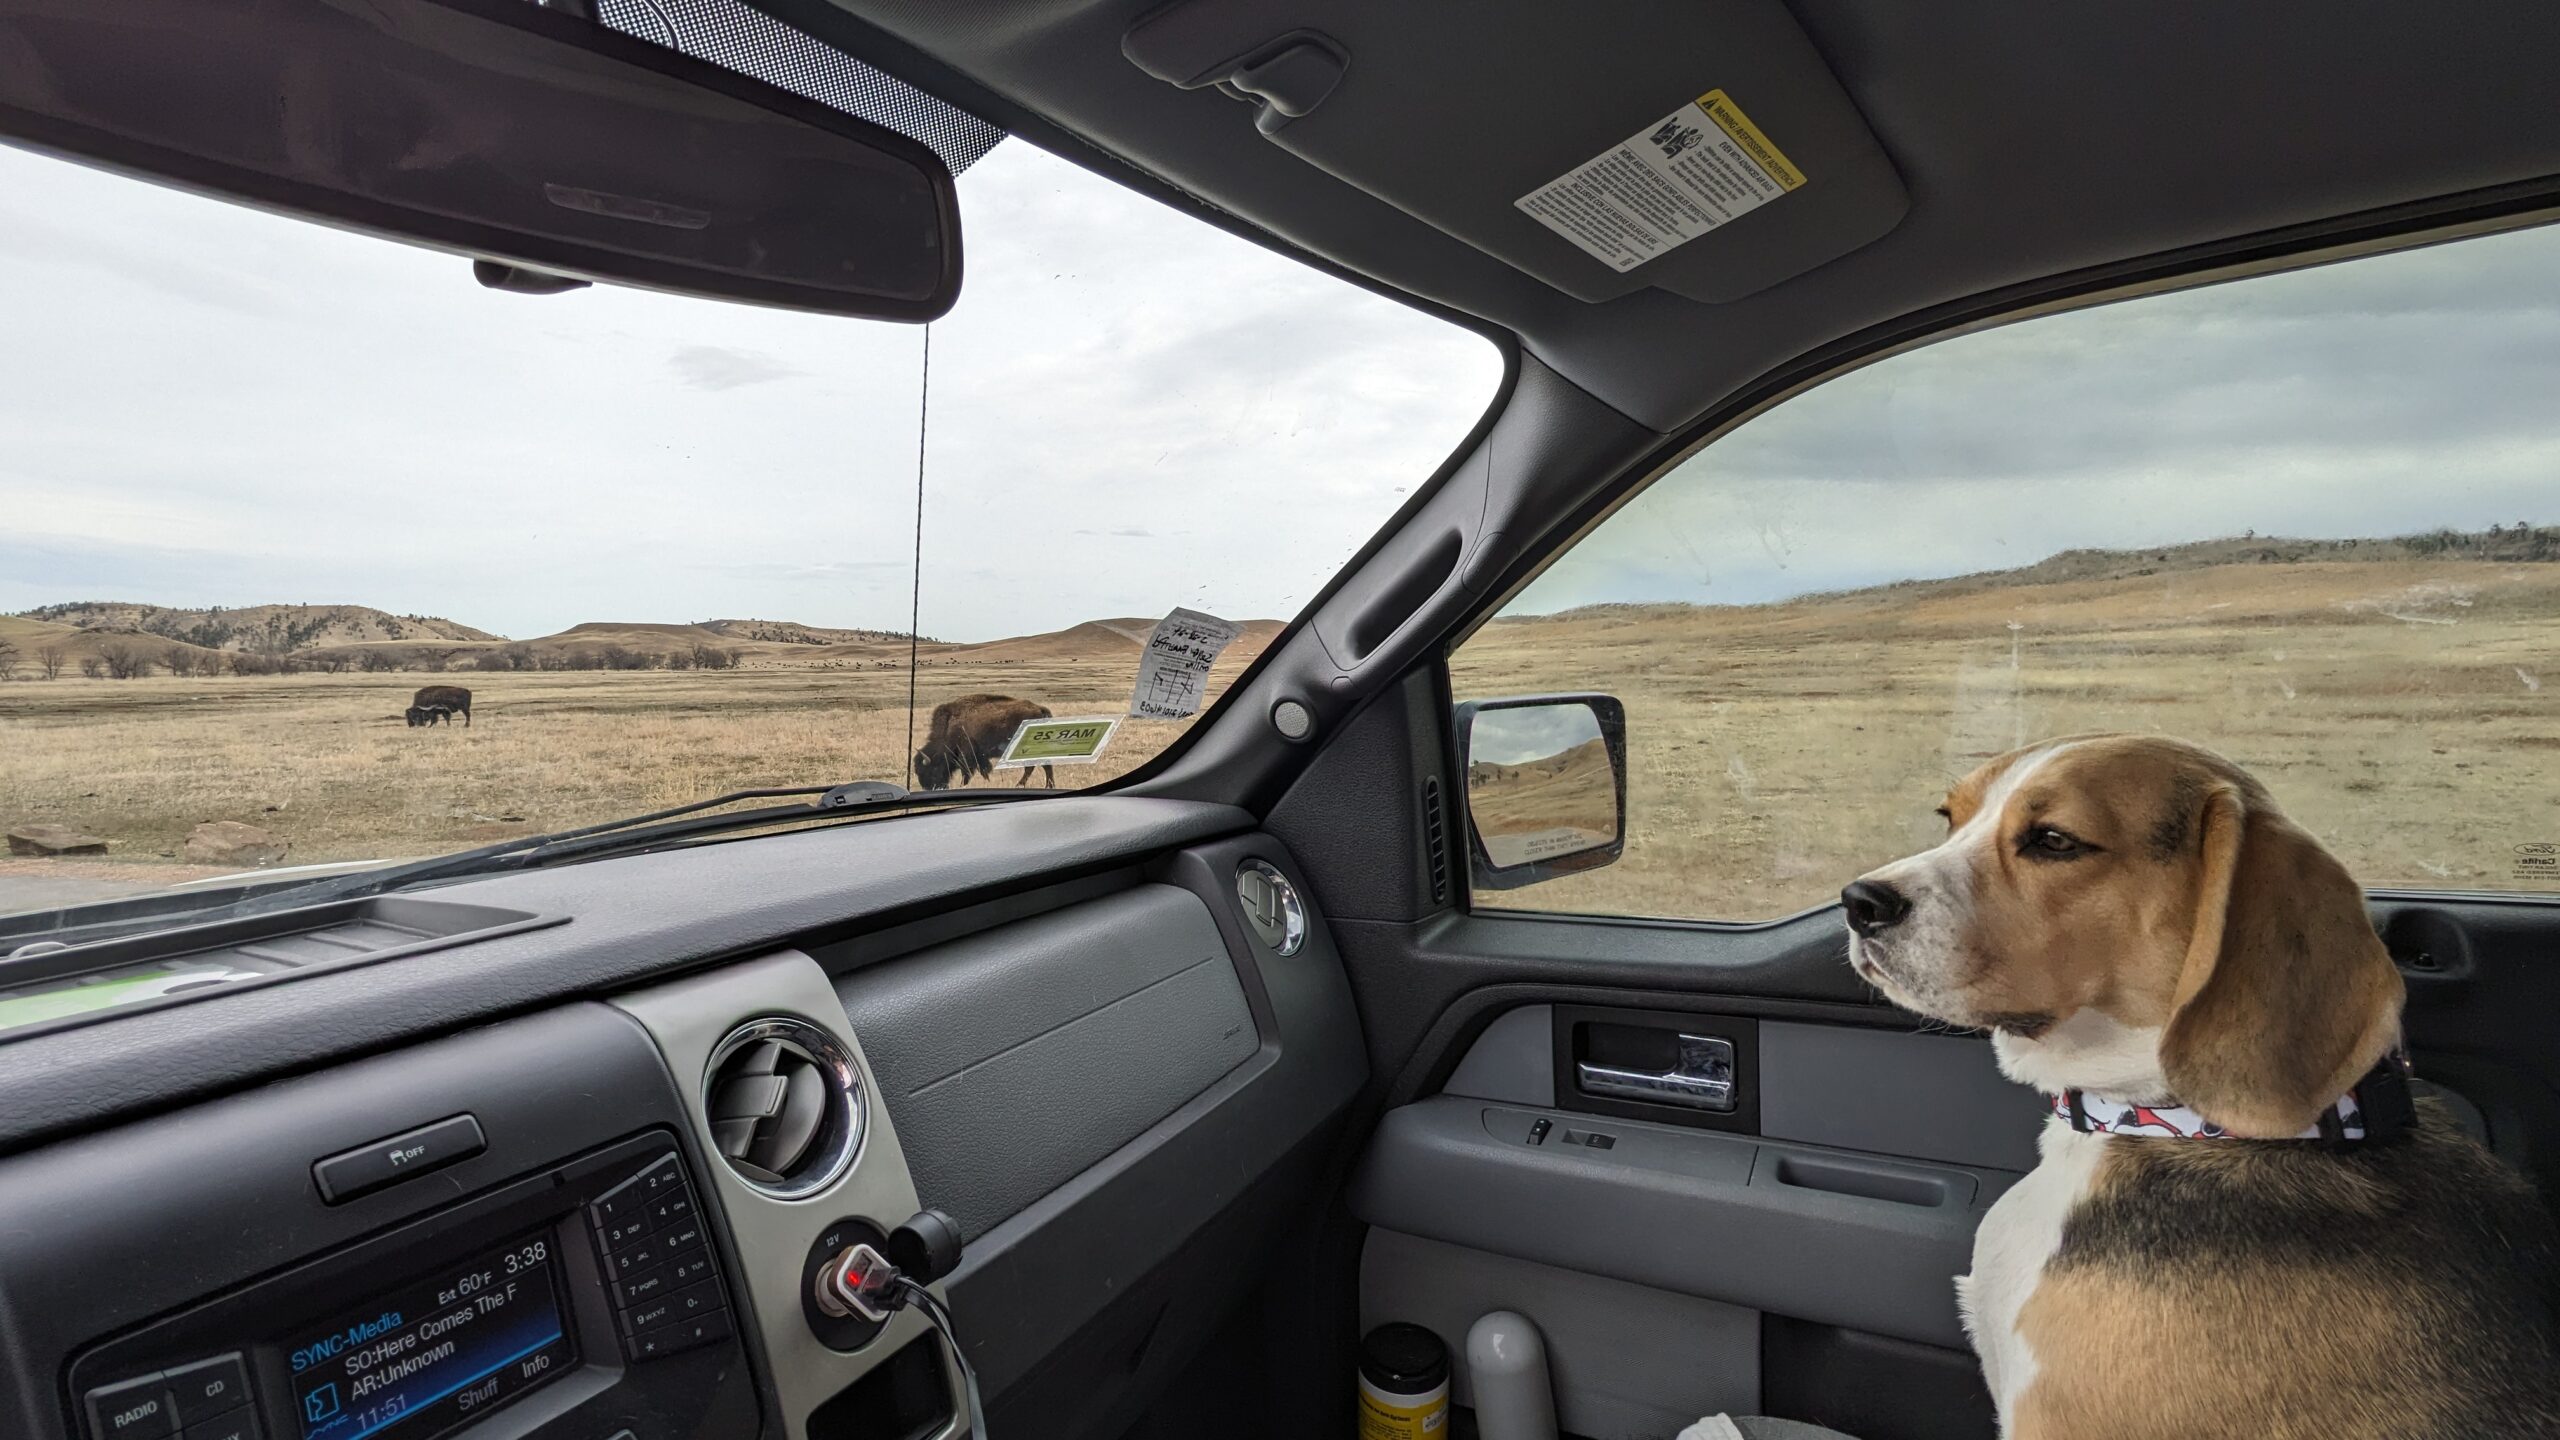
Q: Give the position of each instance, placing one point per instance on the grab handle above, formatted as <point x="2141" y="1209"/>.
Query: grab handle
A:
<point x="1701" y="1080"/>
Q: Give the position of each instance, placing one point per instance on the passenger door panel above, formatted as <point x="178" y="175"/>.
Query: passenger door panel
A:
<point x="1798" y="1251"/>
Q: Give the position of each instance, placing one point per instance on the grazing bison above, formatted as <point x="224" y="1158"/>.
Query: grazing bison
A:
<point x="968" y="736"/>
<point x="452" y="699"/>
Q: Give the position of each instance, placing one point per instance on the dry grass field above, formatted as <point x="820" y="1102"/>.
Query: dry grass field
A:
<point x="2407" y="711"/>
<point x="326" y="762"/>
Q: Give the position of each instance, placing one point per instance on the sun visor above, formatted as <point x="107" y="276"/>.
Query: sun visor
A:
<point x="1702" y="149"/>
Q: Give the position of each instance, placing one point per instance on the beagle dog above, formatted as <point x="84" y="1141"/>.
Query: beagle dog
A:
<point x="2239" y="1225"/>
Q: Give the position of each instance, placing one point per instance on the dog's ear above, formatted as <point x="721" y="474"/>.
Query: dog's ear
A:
<point x="2285" y="994"/>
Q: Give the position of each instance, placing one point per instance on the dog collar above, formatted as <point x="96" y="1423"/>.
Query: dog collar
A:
<point x="2378" y="1108"/>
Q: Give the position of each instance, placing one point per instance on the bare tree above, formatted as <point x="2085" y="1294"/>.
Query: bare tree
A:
<point x="91" y="667"/>
<point x="377" y="662"/>
<point x="434" y="660"/>
<point x="124" y="661"/>
<point x="180" y="660"/>
<point x="8" y="660"/>
<point x="49" y="660"/>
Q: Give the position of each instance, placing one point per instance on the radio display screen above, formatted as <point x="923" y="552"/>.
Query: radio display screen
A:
<point x="465" y="1340"/>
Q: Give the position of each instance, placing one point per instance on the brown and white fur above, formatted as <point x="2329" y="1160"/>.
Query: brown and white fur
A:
<point x="2134" y="917"/>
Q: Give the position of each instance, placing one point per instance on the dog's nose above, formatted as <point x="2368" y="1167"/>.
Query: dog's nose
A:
<point x="1873" y="906"/>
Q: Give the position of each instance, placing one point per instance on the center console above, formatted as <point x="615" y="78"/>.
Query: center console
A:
<point x="584" y="1299"/>
<point x="595" y="1222"/>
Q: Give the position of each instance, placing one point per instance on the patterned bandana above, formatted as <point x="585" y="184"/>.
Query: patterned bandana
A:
<point x="2101" y="1116"/>
<point x="2377" y="1109"/>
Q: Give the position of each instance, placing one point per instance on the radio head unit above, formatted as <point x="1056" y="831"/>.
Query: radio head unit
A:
<point x="580" y="1301"/>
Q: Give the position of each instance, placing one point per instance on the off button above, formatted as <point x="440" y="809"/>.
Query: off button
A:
<point x="136" y="1409"/>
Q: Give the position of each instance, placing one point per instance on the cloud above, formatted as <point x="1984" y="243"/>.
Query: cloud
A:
<point x="207" y="404"/>
<point x="2373" y="397"/>
<point x="710" y="367"/>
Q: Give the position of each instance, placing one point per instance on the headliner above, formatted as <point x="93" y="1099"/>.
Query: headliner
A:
<point x="2035" y="141"/>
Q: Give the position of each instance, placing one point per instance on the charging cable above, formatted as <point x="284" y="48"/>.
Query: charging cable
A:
<point x="938" y="1315"/>
<point x="863" y="1281"/>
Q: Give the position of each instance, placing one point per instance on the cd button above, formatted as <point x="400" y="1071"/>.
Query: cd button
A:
<point x="207" y="1388"/>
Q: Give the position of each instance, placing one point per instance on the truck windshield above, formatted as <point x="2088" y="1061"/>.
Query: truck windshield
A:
<point x="317" y="552"/>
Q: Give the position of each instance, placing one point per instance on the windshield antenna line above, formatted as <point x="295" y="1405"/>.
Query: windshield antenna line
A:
<point x="915" y="595"/>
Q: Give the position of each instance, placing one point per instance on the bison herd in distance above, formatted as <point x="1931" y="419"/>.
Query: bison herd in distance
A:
<point x="963" y="741"/>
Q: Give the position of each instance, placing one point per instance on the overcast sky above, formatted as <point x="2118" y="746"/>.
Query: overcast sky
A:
<point x="2374" y="397"/>
<point x="203" y="404"/>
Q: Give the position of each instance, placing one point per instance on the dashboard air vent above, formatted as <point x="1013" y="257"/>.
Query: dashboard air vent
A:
<point x="786" y="1107"/>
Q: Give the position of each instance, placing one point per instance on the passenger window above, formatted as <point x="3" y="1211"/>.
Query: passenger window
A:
<point x="2306" y="520"/>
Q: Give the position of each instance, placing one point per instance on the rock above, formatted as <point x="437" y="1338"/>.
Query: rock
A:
<point x="228" y="842"/>
<point x="53" y="840"/>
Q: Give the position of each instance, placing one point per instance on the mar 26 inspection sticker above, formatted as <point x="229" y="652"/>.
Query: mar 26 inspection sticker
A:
<point x="1704" y="165"/>
<point x="1076" y="741"/>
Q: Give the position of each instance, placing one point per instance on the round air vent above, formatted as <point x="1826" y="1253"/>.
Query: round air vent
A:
<point x="786" y="1106"/>
<point x="1271" y="906"/>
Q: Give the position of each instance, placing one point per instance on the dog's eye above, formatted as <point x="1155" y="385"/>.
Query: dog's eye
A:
<point x="2047" y="843"/>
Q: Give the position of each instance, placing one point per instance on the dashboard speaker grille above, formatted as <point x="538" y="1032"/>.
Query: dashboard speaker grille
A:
<point x="785" y="1104"/>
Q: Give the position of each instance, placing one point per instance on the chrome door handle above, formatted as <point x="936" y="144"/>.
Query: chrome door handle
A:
<point x="1702" y="1080"/>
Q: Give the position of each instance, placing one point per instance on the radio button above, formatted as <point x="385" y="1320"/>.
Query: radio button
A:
<point x="208" y="1387"/>
<point x="678" y="1335"/>
<point x="238" y="1425"/>
<point x="136" y="1409"/>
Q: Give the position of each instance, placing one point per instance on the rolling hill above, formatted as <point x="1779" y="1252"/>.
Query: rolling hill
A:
<point x="73" y="649"/>
<point x="260" y="629"/>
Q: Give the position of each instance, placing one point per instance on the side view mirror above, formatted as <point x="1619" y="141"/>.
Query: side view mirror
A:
<point x="1546" y="783"/>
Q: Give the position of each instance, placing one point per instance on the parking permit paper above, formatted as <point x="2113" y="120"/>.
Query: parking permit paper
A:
<point x="1076" y="741"/>
<point x="1704" y="165"/>
<point x="1173" y="671"/>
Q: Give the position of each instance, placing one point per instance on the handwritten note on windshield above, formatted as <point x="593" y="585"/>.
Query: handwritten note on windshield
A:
<point x="1173" y="672"/>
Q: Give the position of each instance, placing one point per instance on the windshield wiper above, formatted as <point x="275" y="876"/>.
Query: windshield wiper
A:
<point x="657" y="827"/>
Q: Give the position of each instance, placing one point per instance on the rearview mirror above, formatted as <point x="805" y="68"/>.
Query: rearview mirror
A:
<point x="1546" y="779"/>
<point x="496" y="129"/>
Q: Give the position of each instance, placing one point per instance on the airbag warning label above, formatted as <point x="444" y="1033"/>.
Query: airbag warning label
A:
<point x="1704" y="165"/>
